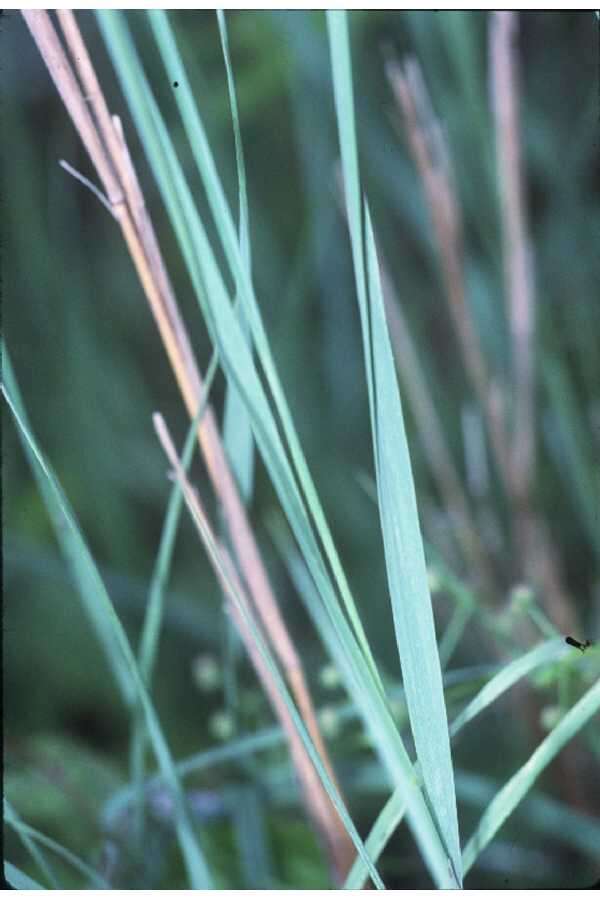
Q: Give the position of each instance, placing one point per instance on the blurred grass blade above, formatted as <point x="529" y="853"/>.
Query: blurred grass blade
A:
<point x="234" y="750"/>
<point x="33" y="850"/>
<point x="19" y="880"/>
<point x="252" y="838"/>
<point x="237" y="430"/>
<point x="405" y="558"/>
<point x="73" y="546"/>
<point x="522" y="781"/>
<point x="548" y="652"/>
<point x="65" y="522"/>
<point x="22" y="829"/>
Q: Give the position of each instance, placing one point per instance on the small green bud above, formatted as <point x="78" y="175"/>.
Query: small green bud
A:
<point x="206" y="673"/>
<point x="329" y="677"/>
<point x="329" y="721"/>
<point x="221" y="725"/>
<point x="521" y="598"/>
<point x="550" y="716"/>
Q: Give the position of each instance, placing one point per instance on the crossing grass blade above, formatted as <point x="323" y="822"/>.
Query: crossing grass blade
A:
<point x="26" y="831"/>
<point x="383" y="731"/>
<point x="522" y="781"/>
<point x="65" y="523"/>
<point x="550" y="651"/>
<point x="405" y="558"/>
<point x="392" y="813"/>
<point x="153" y="617"/>
<point x="33" y="850"/>
<point x="238" y="601"/>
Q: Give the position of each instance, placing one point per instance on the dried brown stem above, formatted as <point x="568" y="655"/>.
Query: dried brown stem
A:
<point x="239" y="610"/>
<point x="514" y="458"/>
<point x="106" y="147"/>
<point x="538" y="558"/>
<point x="428" y="147"/>
<point x="518" y="287"/>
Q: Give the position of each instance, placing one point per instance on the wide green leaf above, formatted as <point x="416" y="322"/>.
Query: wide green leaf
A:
<point x="404" y="554"/>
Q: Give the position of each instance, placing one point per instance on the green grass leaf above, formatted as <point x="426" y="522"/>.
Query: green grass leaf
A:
<point x="65" y="523"/>
<point x="549" y="651"/>
<point x="522" y="781"/>
<point x="405" y="559"/>
<point x="237" y="429"/>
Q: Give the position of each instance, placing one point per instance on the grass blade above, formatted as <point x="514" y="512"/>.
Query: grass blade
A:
<point x="153" y="618"/>
<point x="521" y="782"/>
<point x="547" y="652"/>
<point x="378" y="721"/>
<point x="74" y="549"/>
<point x="65" y="521"/>
<point x="405" y="558"/>
<point x="237" y="430"/>
<point x="391" y="815"/>
<point x="19" y="880"/>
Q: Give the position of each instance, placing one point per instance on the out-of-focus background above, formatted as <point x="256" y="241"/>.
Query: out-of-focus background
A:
<point x="92" y="370"/>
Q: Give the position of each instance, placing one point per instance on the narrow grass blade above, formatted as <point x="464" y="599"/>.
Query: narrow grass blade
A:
<point x="405" y="558"/>
<point x="154" y="610"/>
<point x="73" y="547"/>
<point x="22" y="829"/>
<point x="522" y="781"/>
<point x="549" y="651"/>
<point x="237" y="430"/>
<point x="34" y="851"/>
<point x="65" y="521"/>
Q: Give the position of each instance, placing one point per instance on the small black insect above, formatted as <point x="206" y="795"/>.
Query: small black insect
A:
<point x="583" y="647"/>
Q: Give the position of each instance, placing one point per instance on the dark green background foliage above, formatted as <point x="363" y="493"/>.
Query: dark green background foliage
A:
<point x="92" y="370"/>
